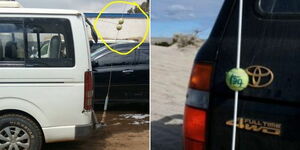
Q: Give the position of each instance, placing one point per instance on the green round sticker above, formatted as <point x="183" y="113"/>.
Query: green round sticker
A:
<point x="237" y="79"/>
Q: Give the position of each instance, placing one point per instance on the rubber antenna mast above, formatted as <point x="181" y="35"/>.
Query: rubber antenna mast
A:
<point x="238" y="62"/>
<point x="109" y="82"/>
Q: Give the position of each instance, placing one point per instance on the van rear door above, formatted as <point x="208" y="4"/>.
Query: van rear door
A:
<point x="268" y="115"/>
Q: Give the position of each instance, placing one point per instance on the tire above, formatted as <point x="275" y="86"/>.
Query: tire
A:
<point x="29" y="135"/>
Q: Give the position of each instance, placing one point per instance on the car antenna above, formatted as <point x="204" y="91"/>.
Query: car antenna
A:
<point x="236" y="95"/>
<point x="102" y="122"/>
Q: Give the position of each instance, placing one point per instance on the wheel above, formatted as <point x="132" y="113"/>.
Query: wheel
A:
<point x="18" y="132"/>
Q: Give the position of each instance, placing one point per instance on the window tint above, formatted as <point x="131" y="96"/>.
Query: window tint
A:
<point x="11" y="42"/>
<point x="280" y="6"/>
<point x="143" y="56"/>
<point x="111" y="58"/>
<point x="50" y="42"/>
<point x="38" y="42"/>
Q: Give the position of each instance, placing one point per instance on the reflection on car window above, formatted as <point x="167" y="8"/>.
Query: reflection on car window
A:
<point x="45" y="50"/>
<point x="104" y="57"/>
<point x="50" y="42"/>
<point x="11" y="42"/>
<point x="280" y="6"/>
<point x="143" y="56"/>
<point x="112" y="58"/>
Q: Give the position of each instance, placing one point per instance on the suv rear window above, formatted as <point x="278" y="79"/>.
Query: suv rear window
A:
<point x="112" y="58"/>
<point x="143" y="56"/>
<point x="279" y="7"/>
<point x="36" y="42"/>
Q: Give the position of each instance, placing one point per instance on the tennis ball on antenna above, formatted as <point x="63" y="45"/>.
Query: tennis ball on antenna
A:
<point x="237" y="79"/>
<point x="119" y="27"/>
<point x="121" y="21"/>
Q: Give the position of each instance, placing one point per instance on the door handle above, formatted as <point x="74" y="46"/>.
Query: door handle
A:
<point x="128" y="71"/>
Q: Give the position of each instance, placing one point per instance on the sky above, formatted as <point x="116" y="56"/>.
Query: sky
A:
<point x="81" y="5"/>
<point x="183" y="16"/>
<point x="168" y="16"/>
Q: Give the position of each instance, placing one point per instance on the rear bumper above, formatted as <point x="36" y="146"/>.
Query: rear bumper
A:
<point x="72" y="132"/>
<point x="83" y="131"/>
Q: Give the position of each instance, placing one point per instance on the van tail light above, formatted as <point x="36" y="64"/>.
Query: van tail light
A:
<point x="88" y="90"/>
<point x="195" y="114"/>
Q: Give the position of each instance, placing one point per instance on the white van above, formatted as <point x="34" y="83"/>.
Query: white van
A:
<point x="44" y="98"/>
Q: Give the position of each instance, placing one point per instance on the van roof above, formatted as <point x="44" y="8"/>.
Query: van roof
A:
<point x="10" y="4"/>
<point x="38" y="11"/>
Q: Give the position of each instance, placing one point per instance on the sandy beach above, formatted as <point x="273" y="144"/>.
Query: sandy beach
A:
<point x="171" y="67"/>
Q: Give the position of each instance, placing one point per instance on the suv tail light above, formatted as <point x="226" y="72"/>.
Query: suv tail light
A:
<point x="88" y="90"/>
<point x="201" y="77"/>
<point x="195" y="114"/>
<point x="194" y="128"/>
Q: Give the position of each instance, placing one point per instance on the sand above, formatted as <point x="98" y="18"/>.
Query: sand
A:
<point x="170" y="70"/>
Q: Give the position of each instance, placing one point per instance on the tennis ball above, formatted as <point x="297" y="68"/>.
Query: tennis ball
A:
<point x="121" y="21"/>
<point x="237" y="79"/>
<point x="119" y="27"/>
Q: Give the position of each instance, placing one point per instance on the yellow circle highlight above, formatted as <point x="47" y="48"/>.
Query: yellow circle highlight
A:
<point x="101" y="37"/>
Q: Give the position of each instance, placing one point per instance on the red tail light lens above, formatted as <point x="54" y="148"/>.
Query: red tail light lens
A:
<point x="194" y="128"/>
<point x="88" y="90"/>
<point x="193" y="145"/>
<point x="201" y="76"/>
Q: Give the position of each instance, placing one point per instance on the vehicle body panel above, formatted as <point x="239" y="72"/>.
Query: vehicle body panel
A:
<point x="129" y="80"/>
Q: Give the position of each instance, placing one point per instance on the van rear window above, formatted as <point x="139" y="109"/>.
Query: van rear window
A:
<point x="279" y="7"/>
<point x="36" y="42"/>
